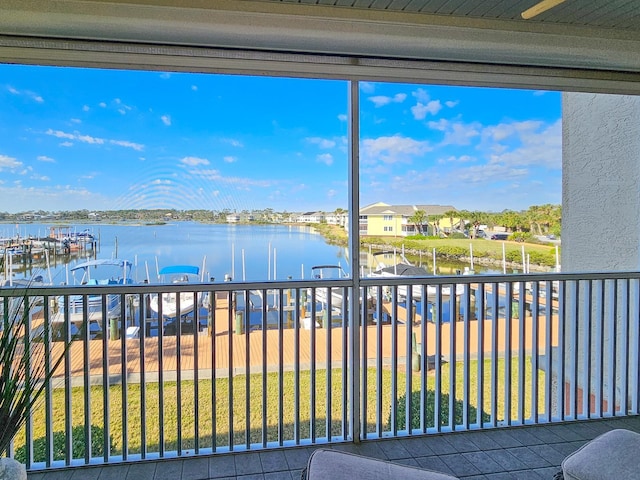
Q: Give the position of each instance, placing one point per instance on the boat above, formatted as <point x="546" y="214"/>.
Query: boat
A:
<point x="93" y="273"/>
<point x="188" y="301"/>
<point x="328" y="272"/>
<point x="401" y="267"/>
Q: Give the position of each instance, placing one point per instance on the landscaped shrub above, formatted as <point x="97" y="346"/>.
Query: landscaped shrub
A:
<point x="458" y="235"/>
<point x="429" y="411"/>
<point x="453" y="252"/>
<point x="539" y="258"/>
<point x="521" y="237"/>
<point x="78" y="445"/>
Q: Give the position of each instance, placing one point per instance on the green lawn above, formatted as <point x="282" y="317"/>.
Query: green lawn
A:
<point x="291" y="422"/>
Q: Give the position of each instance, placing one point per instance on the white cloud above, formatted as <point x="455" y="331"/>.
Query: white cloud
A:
<point x="233" y="142"/>
<point x="124" y="143"/>
<point x="325" y="158"/>
<point x="66" y="144"/>
<point x="31" y="95"/>
<point x="460" y="159"/>
<point x="166" y="119"/>
<point x="420" y="110"/>
<point x="322" y="142"/>
<point x="103" y="105"/>
<point x="393" y="149"/>
<point x="331" y="193"/>
<point x="85" y="108"/>
<point x="343" y="117"/>
<point x="451" y="103"/>
<point x="60" y="134"/>
<point x="381" y="100"/>
<point x="42" y="178"/>
<point x="194" y="88"/>
<point x="165" y="75"/>
<point x="531" y="143"/>
<point x="421" y="95"/>
<point x="193" y="161"/>
<point x="367" y="87"/>
<point x="9" y="163"/>
<point x="44" y="158"/>
<point x="456" y="133"/>
<point x="441" y="125"/>
<point x="91" y="140"/>
<point x="76" y="120"/>
<point x="230" y="159"/>
<point x="490" y="172"/>
<point x="242" y="183"/>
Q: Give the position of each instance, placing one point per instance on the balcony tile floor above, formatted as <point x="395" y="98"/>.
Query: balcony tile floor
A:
<point x="518" y="453"/>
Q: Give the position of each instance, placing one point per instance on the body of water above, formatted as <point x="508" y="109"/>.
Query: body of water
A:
<point x="242" y="252"/>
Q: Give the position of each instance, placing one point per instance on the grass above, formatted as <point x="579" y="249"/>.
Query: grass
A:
<point x="296" y="418"/>
<point x="451" y="248"/>
<point x="481" y="246"/>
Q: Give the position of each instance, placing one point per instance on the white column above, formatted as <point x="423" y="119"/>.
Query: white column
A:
<point x="601" y="217"/>
<point x="600" y="184"/>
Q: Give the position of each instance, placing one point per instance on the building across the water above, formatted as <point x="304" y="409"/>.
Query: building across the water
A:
<point x="380" y="219"/>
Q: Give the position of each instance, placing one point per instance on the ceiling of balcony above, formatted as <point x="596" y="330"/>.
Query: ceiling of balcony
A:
<point x="581" y="34"/>
<point x="614" y="14"/>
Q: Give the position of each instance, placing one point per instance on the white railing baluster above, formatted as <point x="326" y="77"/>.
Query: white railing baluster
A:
<point x="576" y="356"/>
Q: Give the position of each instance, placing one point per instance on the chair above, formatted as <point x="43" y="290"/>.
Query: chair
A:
<point x="327" y="464"/>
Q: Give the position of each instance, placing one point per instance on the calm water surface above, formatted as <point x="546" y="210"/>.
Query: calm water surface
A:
<point x="243" y="252"/>
<point x="269" y="251"/>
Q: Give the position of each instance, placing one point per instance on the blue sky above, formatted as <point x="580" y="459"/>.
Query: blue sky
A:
<point x="106" y="139"/>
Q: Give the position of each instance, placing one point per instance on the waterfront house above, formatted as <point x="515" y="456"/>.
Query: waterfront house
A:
<point x="311" y="217"/>
<point x="383" y="220"/>
<point x="588" y="50"/>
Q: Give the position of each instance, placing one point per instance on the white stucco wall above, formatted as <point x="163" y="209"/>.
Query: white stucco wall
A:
<point x="601" y="221"/>
<point x="600" y="185"/>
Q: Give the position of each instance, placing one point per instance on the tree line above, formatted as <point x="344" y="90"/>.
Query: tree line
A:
<point x="536" y="220"/>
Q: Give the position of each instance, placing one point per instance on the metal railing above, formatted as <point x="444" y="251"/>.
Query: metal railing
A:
<point x="260" y="365"/>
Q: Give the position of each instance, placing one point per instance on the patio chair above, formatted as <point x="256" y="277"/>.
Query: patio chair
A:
<point x="613" y="455"/>
<point x="327" y="464"/>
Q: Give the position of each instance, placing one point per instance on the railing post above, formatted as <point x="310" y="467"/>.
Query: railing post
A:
<point x="354" y="255"/>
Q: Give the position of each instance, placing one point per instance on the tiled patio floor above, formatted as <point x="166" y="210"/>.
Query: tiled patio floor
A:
<point x="519" y="453"/>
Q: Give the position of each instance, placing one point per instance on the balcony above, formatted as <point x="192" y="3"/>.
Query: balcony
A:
<point x="274" y="369"/>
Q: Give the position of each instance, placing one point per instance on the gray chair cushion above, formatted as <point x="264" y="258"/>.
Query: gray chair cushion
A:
<point x="614" y="455"/>
<point x="326" y="464"/>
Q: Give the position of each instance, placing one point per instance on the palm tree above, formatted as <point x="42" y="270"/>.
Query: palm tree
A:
<point x="451" y="214"/>
<point x="24" y="373"/>
<point x="419" y="218"/>
<point x="435" y="219"/>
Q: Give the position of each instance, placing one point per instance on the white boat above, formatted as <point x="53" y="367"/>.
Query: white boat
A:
<point x="401" y="267"/>
<point x="178" y="274"/>
<point x="328" y="272"/>
<point x="93" y="273"/>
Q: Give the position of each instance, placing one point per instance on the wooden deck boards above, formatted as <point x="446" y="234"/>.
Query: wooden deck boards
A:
<point x="223" y="351"/>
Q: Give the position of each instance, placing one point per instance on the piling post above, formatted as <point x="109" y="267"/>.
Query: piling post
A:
<point x="239" y="325"/>
<point x="113" y="329"/>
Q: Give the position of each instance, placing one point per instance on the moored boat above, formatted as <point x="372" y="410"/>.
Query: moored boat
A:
<point x="171" y="305"/>
<point x="401" y="267"/>
<point x="93" y="273"/>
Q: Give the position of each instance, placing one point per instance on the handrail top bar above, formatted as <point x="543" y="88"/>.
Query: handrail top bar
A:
<point x="293" y="284"/>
